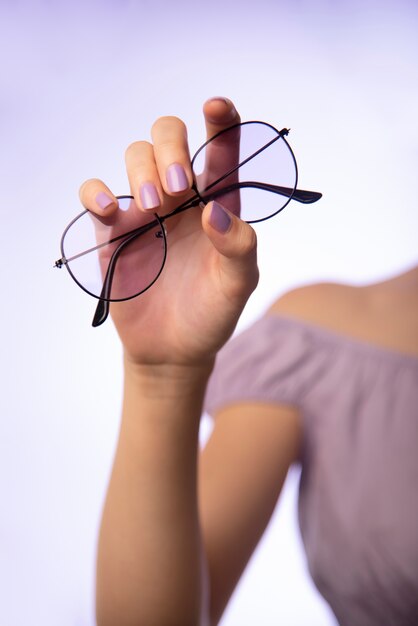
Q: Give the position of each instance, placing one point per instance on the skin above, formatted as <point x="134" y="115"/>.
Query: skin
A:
<point x="206" y="269"/>
<point x="150" y="545"/>
<point x="178" y="527"/>
<point x="383" y="313"/>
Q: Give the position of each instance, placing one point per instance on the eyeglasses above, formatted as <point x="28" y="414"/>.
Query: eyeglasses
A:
<point x="249" y="168"/>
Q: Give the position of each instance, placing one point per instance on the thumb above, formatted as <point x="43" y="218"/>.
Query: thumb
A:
<point x="236" y="242"/>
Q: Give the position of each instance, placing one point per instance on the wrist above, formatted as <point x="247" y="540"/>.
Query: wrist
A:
<point x="167" y="380"/>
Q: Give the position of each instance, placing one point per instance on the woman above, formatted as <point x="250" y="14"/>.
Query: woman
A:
<point x="176" y="533"/>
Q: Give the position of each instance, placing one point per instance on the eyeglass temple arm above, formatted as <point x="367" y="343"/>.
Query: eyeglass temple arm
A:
<point x="102" y="310"/>
<point x="300" y="195"/>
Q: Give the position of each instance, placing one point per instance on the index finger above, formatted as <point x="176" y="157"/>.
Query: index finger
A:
<point x="221" y="153"/>
<point x="219" y="113"/>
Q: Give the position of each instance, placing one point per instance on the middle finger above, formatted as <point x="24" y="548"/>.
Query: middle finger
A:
<point x="171" y="151"/>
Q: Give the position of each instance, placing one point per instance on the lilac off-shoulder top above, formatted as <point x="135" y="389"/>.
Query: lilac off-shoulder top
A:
<point x="358" y="494"/>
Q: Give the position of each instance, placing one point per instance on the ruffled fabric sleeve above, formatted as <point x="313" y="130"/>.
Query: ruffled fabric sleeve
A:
<point x="275" y="360"/>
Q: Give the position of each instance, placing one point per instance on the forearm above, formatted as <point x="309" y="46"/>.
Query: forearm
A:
<point x="150" y="559"/>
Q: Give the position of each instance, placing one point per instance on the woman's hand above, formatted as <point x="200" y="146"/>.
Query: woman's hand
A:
<point x="211" y="267"/>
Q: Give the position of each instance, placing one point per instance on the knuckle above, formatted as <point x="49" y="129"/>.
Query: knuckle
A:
<point x="249" y="283"/>
<point x="246" y="240"/>
<point x="254" y="279"/>
<point x="242" y="280"/>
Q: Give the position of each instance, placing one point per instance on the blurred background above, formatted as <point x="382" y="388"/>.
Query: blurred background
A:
<point x="79" y="82"/>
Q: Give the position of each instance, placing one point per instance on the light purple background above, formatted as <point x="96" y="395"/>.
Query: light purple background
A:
<point x="79" y="82"/>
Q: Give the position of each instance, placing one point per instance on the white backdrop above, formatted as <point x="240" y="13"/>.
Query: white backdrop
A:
<point x="79" y="82"/>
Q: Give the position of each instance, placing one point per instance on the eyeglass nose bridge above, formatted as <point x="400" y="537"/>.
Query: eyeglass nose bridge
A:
<point x="102" y="309"/>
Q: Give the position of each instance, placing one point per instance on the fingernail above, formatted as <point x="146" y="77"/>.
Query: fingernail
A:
<point x="104" y="200"/>
<point x="176" y="178"/>
<point x="149" y="196"/>
<point x="219" y="218"/>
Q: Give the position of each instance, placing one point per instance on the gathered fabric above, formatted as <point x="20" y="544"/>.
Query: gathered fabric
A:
<point x="358" y="496"/>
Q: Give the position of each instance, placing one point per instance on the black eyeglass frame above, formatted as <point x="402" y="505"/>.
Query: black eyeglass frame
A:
<point x="303" y="196"/>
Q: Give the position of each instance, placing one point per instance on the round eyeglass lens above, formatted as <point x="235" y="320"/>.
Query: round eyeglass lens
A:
<point x="249" y="168"/>
<point x="117" y="257"/>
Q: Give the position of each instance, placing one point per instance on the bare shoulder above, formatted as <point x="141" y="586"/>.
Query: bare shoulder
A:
<point x="322" y="303"/>
<point x="384" y="313"/>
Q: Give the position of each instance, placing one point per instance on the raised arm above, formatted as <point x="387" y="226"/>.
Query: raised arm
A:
<point x="151" y="565"/>
<point x="177" y="531"/>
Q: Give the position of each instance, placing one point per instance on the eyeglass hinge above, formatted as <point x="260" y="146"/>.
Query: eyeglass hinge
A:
<point x="160" y="235"/>
<point x="60" y="262"/>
